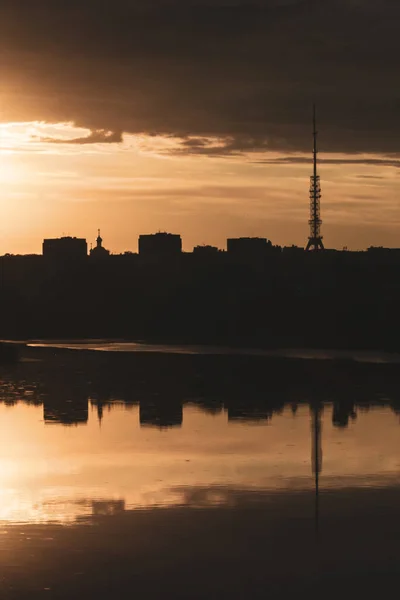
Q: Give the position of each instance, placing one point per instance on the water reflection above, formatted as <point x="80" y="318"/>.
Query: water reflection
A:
<point x="248" y="389"/>
<point x="188" y="431"/>
<point x="197" y="477"/>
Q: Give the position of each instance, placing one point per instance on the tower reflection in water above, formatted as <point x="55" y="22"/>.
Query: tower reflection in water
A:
<point x="208" y="408"/>
<point x="247" y="388"/>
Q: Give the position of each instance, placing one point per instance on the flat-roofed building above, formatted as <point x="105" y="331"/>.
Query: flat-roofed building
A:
<point x="160" y="245"/>
<point x="65" y="248"/>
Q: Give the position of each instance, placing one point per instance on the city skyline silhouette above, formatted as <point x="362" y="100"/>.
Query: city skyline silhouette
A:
<point x="199" y="299"/>
<point x="130" y="124"/>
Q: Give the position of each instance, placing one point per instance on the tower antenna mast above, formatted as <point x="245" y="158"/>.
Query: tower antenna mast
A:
<point x="315" y="239"/>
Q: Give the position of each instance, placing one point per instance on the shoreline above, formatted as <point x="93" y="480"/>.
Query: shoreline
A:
<point x="28" y="348"/>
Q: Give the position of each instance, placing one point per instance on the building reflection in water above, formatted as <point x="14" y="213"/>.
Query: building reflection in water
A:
<point x="248" y="389"/>
<point x="240" y="410"/>
<point x="342" y="412"/>
<point x="247" y="456"/>
<point x="66" y="410"/>
<point x="203" y="404"/>
<point x="161" y="414"/>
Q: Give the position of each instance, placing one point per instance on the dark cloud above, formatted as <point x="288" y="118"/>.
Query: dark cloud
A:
<point x="300" y="160"/>
<point x="247" y="71"/>
<point x="378" y="177"/>
<point x="95" y="137"/>
<point x="227" y="145"/>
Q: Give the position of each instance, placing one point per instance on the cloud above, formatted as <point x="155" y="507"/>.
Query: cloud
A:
<point x="303" y="160"/>
<point x="379" y="177"/>
<point x="100" y="136"/>
<point x="243" y="72"/>
<point x="224" y="146"/>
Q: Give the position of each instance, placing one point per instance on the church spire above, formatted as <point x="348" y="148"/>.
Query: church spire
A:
<point x="99" y="251"/>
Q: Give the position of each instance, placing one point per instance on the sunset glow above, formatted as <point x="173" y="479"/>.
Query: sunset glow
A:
<point x="199" y="292"/>
<point x="122" y="119"/>
<point x="53" y="184"/>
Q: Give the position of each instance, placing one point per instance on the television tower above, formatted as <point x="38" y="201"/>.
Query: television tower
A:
<point x="315" y="239"/>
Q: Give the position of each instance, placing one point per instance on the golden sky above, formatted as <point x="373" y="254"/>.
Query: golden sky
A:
<point x="54" y="184"/>
<point x="194" y="116"/>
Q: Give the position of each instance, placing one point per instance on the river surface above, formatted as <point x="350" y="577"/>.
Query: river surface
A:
<point x="198" y="478"/>
<point x="318" y="354"/>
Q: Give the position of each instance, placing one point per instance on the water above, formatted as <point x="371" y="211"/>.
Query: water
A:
<point x="112" y="346"/>
<point x="197" y="477"/>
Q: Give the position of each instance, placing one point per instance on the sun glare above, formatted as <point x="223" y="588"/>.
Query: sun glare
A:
<point x="12" y="137"/>
<point x="10" y="171"/>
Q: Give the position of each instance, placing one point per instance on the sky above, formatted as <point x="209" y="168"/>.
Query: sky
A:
<point x="194" y="117"/>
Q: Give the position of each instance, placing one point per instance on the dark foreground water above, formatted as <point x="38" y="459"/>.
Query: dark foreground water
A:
<point x="198" y="477"/>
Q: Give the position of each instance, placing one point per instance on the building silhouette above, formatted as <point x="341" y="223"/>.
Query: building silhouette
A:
<point x="65" y="249"/>
<point x="160" y="245"/>
<point x="246" y="245"/>
<point x="249" y="249"/>
<point x="206" y="251"/>
<point x="99" y="251"/>
<point x="254" y="294"/>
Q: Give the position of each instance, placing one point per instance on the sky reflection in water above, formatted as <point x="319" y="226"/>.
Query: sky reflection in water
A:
<point x="69" y="449"/>
<point x="191" y="477"/>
